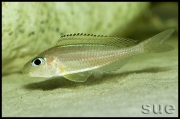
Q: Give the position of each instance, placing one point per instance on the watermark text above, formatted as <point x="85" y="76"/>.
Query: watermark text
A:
<point x="158" y="109"/>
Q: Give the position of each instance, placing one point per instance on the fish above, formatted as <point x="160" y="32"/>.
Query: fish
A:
<point x="77" y="56"/>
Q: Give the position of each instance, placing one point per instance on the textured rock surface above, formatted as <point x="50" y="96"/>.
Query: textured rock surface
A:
<point x="29" y="28"/>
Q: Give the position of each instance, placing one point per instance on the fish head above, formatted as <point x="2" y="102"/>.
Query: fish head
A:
<point x="40" y="66"/>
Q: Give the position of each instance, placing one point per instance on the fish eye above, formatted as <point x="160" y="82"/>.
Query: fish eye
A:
<point x="37" y="61"/>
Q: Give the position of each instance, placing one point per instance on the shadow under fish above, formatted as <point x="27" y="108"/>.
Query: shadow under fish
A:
<point x="61" y="82"/>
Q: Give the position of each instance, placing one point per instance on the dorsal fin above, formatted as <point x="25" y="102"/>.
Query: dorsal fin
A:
<point x="83" y="39"/>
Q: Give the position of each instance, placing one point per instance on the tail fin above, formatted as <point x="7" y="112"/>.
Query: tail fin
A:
<point x="155" y="43"/>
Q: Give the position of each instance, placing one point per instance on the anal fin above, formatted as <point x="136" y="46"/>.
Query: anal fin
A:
<point x="115" y="65"/>
<point x="78" y="77"/>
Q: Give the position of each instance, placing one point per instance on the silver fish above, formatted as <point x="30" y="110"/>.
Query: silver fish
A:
<point x="77" y="56"/>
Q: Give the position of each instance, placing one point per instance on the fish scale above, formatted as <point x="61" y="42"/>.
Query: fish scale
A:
<point x="91" y="57"/>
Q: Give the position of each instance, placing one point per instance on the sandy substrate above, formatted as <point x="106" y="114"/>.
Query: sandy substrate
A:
<point x="150" y="78"/>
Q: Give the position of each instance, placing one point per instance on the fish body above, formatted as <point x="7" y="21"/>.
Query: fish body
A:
<point x="77" y="56"/>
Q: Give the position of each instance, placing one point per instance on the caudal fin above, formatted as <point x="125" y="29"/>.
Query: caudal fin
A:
<point x="156" y="43"/>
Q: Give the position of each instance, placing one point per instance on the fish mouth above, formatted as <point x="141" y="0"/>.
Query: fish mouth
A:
<point x="25" y="71"/>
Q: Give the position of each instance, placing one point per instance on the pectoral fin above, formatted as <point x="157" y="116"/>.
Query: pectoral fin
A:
<point x="78" y="77"/>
